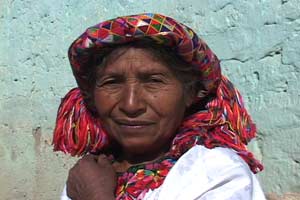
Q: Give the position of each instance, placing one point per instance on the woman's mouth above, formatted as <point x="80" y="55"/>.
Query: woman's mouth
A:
<point x="133" y="124"/>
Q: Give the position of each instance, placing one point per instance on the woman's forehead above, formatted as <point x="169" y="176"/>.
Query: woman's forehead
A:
<point x="133" y="59"/>
<point x="130" y="52"/>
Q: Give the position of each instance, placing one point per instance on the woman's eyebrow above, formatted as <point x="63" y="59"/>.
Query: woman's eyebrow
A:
<point x="110" y="75"/>
<point x="154" y="71"/>
<point x="147" y="74"/>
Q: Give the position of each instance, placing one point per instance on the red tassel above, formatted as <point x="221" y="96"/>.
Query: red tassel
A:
<point x="77" y="131"/>
<point x="225" y="123"/>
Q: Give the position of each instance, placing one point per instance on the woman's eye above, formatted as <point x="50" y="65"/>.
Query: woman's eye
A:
<point x="110" y="82"/>
<point x="155" y="80"/>
<point x="107" y="82"/>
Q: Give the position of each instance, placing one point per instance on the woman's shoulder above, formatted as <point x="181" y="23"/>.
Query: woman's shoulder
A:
<point x="218" y="157"/>
<point x="211" y="164"/>
<point x="203" y="173"/>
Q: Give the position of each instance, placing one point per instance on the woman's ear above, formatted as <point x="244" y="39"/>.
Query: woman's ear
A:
<point x="190" y="97"/>
<point x="188" y="102"/>
<point x="195" y="96"/>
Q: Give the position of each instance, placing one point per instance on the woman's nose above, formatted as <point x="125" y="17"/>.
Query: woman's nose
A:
<point x="132" y="102"/>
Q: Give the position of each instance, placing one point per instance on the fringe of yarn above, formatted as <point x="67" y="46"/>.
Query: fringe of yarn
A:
<point x="224" y="123"/>
<point x="77" y="131"/>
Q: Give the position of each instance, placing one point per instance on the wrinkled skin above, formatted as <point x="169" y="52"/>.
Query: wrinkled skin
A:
<point x="92" y="178"/>
<point x="141" y="104"/>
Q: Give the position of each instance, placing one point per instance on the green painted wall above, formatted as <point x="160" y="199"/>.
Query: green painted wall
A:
<point x="258" y="42"/>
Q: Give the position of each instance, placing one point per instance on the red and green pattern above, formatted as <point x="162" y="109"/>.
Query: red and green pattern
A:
<point x="140" y="179"/>
<point x="162" y="29"/>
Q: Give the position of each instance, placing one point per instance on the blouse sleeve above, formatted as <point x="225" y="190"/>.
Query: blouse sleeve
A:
<point x="230" y="180"/>
<point x="209" y="174"/>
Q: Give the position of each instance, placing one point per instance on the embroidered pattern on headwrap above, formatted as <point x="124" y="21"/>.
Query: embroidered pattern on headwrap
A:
<point x="224" y="123"/>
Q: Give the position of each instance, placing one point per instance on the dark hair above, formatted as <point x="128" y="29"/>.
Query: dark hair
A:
<point x="185" y="72"/>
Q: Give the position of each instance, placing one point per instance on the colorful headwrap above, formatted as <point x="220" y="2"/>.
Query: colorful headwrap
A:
<point x="225" y="121"/>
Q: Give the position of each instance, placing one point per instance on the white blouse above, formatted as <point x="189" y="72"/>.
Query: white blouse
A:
<point x="207" y="174"/>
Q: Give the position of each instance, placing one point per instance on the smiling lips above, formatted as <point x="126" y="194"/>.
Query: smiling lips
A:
<point x="133" y="124"/>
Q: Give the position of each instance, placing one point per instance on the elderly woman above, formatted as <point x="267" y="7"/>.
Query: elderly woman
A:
<point x="153" y="116"/>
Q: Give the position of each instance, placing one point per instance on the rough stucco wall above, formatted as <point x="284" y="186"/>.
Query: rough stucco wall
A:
<point x="257" y="41"/>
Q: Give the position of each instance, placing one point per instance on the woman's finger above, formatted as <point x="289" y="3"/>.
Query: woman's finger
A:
<point x="89" y="157"/>
<point x="104" y="159"/>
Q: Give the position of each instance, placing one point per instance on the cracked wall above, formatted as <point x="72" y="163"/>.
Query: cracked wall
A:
<point x="258" y="43"/>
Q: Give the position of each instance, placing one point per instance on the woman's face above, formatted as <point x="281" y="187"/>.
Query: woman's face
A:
<point x="140" y="103"/>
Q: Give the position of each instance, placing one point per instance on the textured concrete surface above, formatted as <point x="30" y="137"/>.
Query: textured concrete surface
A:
<point x="258" y="42"/>
<point x="286" y="196"/>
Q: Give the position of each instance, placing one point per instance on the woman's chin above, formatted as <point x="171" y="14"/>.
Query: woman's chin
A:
<point x="132" y="148"/>
<point x="141" y="152"/>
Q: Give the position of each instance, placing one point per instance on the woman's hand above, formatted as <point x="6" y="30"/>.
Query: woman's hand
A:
<point x="91" y="178"/>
